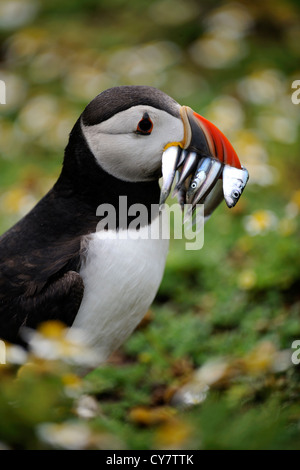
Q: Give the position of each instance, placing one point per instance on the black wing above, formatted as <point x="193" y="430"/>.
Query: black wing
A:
<point x="39" y="264"/>
<point x="58" y="300"/>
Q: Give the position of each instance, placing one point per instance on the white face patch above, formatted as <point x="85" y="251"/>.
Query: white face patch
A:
<point x="124" y="153"/>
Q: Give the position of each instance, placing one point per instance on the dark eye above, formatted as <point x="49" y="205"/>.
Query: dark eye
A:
<point x="145" y="125"/>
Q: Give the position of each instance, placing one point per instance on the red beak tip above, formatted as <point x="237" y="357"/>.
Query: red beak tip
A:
<point x="219" y="145"/>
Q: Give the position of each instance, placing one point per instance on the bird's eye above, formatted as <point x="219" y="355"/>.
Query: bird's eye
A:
<point x="145" y="125"/>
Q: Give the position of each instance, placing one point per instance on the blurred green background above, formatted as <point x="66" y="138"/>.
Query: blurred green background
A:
<point x="226" y="316"/>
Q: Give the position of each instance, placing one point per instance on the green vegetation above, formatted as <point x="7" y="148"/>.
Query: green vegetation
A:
<point x="226" y="315"/>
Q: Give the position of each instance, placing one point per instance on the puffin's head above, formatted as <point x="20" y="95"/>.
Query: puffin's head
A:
<point x="137" y="133"/>
<point x="127" y="129"/>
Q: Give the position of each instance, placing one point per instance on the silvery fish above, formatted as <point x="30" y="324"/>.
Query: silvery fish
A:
<point x="198" y="178"/>
<point x="234" y="182"/>
<point x="199" y="162"/>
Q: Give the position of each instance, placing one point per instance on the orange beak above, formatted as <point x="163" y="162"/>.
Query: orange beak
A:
<point x="206" y="139"/>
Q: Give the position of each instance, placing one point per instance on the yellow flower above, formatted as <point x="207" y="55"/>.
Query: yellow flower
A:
<point x="296" y="198"/>
<point x="173" y="434"/>
<point x="260" y="222"/>
<point x="247" y="279"/>
<point x="53" y="341"/>
<point x="52" y="329"/>
<point x="151" y="416"/>
<point x="71" y="380"/>
<point x="260" y="359"/>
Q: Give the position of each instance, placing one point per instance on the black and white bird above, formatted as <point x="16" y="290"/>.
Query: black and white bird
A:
<point x="56" y="264"/>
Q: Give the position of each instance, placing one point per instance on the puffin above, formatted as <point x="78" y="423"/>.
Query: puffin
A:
<point x="60" y="262"/>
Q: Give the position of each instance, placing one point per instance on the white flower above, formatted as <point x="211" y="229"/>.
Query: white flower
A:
<point x="54" y="341"/>
<point x="260" y="222"/>
<point x="68" y="435"/>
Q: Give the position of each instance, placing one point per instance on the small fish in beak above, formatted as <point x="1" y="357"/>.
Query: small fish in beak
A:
<point x="234" y="182"/>
<point x="213" y="199"/>
<point x="169" y="164"/>
<point x="189" y="165"/>
<point x="206" y="157"/>
<point x="209" y="182"/>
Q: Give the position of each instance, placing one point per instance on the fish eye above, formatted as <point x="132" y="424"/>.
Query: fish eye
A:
<point x="145" y="125"/>
<point x="236" y="194"/>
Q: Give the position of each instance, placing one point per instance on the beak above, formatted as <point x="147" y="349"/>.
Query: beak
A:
<point x="207" y="139"/>
<point x="200" y="160"/>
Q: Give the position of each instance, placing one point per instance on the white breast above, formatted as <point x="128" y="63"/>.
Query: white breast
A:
<point x="121" y="276"/>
